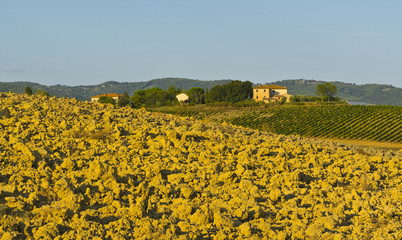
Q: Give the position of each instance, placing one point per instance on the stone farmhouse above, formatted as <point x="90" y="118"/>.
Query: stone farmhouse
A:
<point x="115" y="96"/>
<point x="270" y="93"/>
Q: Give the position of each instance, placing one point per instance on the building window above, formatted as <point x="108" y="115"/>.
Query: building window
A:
<point x="264" y="90"/>
<point x="257" y="97"/>
<point x="256" y="90"/>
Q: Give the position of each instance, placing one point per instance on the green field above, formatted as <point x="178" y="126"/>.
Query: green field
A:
<point x="368" y="123"/>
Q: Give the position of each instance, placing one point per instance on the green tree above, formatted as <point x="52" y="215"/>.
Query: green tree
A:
<point x="138" y="98"/>
<point x="326" y="90"/>
<point x="196" y="95"/>
<point x="238" y="91"/>
<point x="124" y="101"/>
<point x="153" y="97"/>
<point x="172" y="92"/>
<point x="41" y="93"/>
<point x="234" y="91"/>
<point x="216" y="94"/>
<point x="28" y="91"/>
<point x="106" y="100"/>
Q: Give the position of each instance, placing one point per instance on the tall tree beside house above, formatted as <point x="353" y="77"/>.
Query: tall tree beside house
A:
<point x="172" y="93"/>
<point x="234" y="91"/>
<point x="196" y="95"/>
<point x="156" y="97"/>
<point x="216" y="94"/>
<point x="238" y="91"/>
<point x="327" y="90"/>
<point x="153" y="97"/>
<point x="106" y="100"/>
<point x="124" y="101"/>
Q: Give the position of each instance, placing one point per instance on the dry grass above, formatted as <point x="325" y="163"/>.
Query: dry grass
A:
<point x="373" y="144"/>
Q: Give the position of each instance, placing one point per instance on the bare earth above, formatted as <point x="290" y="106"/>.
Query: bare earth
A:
<point x="77" y="170"/>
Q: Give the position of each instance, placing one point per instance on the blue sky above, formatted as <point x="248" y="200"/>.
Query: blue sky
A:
<point x="88" y="42"/>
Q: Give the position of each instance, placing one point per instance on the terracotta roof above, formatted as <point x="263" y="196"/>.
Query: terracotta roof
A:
<point x="108" y="95"/>
<point x="270" y="87"/>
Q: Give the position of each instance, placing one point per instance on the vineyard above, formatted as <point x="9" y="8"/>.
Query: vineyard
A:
<point x="373" y="123"/>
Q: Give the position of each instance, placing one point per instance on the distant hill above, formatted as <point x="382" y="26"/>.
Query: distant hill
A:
<point x="85" y="92"/>
<point x="18" y="87"/>
<point x="379" y="94"/>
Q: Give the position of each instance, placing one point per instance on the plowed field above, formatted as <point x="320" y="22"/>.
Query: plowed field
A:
<point x="76" y="170"/>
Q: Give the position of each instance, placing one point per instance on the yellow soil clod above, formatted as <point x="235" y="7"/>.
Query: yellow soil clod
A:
<point x="75" y="170"/>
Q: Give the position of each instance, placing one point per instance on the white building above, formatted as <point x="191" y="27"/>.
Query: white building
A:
<point x="115" y="96"/>
<point x="182" y="97"/>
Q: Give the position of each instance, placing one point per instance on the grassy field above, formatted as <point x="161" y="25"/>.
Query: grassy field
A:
<point x="360" y="123"/>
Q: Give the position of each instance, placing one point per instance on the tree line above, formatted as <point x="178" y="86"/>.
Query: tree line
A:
<point x="324" y="92"/>
<point x="236" y="92"/>
<point x="39" y="92"/>
<point x="232" y="92"/>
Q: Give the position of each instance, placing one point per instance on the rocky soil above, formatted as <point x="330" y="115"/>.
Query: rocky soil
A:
<point x="76" y="170"/>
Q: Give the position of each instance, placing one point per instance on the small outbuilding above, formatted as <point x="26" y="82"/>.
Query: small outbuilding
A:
<point x="115" y="97"/>
<point x="182" y="98"/>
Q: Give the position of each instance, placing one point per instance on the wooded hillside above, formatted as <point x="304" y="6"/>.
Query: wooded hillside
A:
<point x="85" y="92"/>
<point x="379" y="94"/>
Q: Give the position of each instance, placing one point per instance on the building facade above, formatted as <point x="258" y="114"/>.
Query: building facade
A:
<point x="115" y="97"/>
<point x="270" y="93"/>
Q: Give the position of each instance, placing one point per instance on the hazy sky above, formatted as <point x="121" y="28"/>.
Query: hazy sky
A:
<point x="88" y="42"/>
